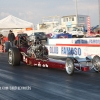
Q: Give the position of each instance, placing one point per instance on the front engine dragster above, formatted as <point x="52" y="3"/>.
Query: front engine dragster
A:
<point x="32" y="52"/>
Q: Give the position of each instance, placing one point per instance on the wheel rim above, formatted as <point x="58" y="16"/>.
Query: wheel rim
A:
<point x="69" y="66"/>
<point x="96" y="63"/>
<point x="10" y="57"/>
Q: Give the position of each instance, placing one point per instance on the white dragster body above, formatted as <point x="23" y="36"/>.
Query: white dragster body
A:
<point x="74" y="47"/>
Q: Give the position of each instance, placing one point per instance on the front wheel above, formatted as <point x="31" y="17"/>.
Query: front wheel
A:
<point x="14" y="56"/>
<point x="69" y="65"/>
<point x="96" y="63"/>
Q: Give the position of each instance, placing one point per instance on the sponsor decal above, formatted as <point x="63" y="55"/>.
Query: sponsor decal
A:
<point x="46" y="65"/>
<point x="71" y="51"/>
<point x="26" y="60"/>
<point x="94" y="41"/>
<point x="43" y="65"/>
<point x="81" y="41"/>
<point x="39" y="64"/>
<point x="54" y="50"/>
<point x="35" y="64"/>
<point x="87" y="41"/>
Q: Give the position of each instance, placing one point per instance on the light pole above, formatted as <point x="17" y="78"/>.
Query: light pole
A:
<point x="99" y="11"/>
<point x="76" y="13"/>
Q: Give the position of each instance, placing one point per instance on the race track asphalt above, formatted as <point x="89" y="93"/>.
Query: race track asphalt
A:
<point x="32" y="83"/>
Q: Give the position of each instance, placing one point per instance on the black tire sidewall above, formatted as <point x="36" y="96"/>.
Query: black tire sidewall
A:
<point x="7" y="46"/>
<point x="16" y="57"/>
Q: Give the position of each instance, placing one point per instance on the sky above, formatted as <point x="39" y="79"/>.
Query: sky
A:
<point x="34" y="10"/>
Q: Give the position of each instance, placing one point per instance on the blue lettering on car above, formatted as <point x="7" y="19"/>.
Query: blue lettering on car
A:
<point x="71" y="51"/>
<point x="54" y="50"/>
<point x="94" y="41"/>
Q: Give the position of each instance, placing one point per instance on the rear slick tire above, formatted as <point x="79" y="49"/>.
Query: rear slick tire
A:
<point x="14" y="56"/>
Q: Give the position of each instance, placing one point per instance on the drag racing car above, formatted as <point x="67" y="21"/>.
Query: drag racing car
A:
<point x="32" y="52"/>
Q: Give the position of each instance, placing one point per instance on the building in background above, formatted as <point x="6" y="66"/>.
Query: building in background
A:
<point x="71" y="22"/>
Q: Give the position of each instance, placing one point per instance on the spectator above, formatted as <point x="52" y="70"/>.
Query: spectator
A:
<point x="64" y="32"/>
<point x="11" y="38"/>
<point x="1" y="38"/>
